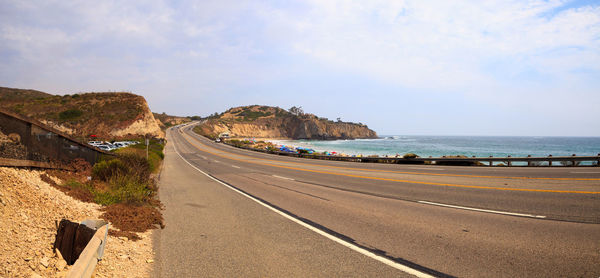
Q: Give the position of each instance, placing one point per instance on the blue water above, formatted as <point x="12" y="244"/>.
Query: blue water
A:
<point x="481" y="146"/>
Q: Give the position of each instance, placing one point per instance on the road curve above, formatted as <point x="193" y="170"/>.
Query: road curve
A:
<point x="458" y="221"/>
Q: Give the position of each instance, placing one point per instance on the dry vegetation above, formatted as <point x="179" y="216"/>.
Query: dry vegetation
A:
<point x="80" y="115"/>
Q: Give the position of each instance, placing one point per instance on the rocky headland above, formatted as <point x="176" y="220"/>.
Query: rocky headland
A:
<point x="273" y="122"/>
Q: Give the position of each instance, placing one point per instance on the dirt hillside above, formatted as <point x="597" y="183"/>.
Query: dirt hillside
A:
<point x="107" y="115"/>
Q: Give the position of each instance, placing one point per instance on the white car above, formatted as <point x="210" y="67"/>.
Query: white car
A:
<point x="105" y="147"/>
<point x="120" y="144"/>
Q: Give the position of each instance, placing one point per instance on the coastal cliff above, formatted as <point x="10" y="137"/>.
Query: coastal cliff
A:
<point x="273" y="122"/>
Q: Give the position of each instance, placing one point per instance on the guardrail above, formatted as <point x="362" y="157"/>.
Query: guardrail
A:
<point x="91" y="254"/>
<point x="457" y="161"/>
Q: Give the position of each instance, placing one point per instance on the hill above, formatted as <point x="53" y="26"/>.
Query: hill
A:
<point x="107" y="115"/>
<point x="273" y="122"/>
<point x="166" y="121"/>
<point x="12" y="94"/>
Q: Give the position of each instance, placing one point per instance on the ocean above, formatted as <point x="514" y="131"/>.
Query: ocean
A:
<point x="436" y="146"/>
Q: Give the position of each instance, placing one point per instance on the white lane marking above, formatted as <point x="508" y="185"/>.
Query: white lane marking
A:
<point x="585" y="172"/>
<point x="217" y="161"/>
<point x="234" y="166"/>
<point x="417" y="168"/>
<point x="353" y="247"/>
<point x="203" y="157"/>
<point x="283" y="177"/>
<point x="484" y="210"/>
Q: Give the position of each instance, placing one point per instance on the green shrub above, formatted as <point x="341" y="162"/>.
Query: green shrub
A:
<point x="570" y="163"/>
<point x="70" y="114"/>
<point x="76" y="184"/>
<point x="153" y="161"/>
<point x="106" y="198"/>
<point x="127" y="176"/>
<point x="125" y="189"/>
<point x="105" y="170"/>
<point x="410" y="155"/>
<point x="138" y="166"/>
<point x="129" y="189"/>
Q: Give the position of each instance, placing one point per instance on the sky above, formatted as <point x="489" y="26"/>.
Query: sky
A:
<point x="498" y="68"/>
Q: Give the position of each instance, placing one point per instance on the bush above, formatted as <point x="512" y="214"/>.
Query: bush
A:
<point x="130" y="190"/>
<point x="570" y="163"/>
<point x="125" y="189"/>
<point x="70" y="114"/>
<point x="153" y="161"/>
<point x="410" y="155"/>
<point x="105" y="170"/>
<point x="139" y="167"/>
<point x="128" y="178"/>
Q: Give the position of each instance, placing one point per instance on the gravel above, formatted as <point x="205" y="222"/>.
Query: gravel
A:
<point x="29" y="211"/>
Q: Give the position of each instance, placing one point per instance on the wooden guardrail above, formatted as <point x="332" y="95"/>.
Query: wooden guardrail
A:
<point x="467" y="161"/>
<point x="30" y="163"/>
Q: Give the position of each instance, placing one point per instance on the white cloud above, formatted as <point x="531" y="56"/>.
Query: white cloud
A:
<point x="446" y="44"/>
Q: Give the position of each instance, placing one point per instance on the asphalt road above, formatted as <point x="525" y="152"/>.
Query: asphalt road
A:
<point x="458" y="221"/>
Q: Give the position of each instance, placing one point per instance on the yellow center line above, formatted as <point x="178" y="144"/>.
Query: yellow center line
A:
<point x="387" y="179"/>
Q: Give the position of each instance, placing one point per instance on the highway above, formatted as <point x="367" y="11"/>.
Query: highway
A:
<point x="436" y="220"/>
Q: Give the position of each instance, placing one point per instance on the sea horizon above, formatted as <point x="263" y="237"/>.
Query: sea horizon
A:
<point x="440" y="145"/>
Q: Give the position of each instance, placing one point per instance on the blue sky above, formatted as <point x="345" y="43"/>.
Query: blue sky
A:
<point x="401" y="67"/>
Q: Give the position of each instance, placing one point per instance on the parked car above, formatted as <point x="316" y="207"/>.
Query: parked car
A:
<point x="105" y="147"/>
<point x="120" y="144"/>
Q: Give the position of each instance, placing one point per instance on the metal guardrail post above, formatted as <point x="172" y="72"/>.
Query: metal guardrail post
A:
<point x="86" y="264"/>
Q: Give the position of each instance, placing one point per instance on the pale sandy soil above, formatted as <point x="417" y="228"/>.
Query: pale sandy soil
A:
<point x="29" y="211"/>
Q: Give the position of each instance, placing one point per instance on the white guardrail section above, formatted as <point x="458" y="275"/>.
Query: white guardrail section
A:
<point x="85" y="265"/>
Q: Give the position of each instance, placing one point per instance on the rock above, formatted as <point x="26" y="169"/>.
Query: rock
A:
<point x="44" y="261"/>
<point x="61" y="264"/>
<point x="59" y="255"/>
<point x="35" y="275"/>
<point x="149" y="261"/>
<point x="62" y="274"/>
